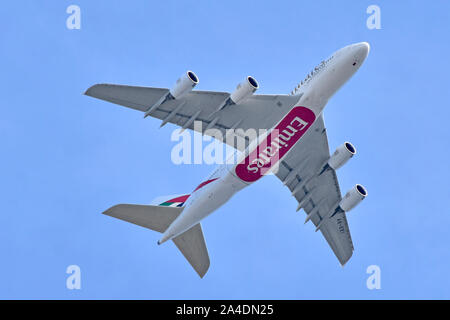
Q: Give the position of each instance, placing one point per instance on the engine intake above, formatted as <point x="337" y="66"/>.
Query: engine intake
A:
<point x="244" y="90"/>
<point x="184" y="84"/>
<point x="353" y="197"/>
<point x="342" y="154"/>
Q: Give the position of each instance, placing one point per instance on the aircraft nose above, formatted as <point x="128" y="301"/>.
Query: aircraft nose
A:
<point x="362" y="50"/>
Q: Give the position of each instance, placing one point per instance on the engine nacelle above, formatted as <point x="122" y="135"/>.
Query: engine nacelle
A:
<point x="342" y="154"/>
<point x="353" y="197"/>
<point x="184" y="84"/>
<point x="244" y="90"/>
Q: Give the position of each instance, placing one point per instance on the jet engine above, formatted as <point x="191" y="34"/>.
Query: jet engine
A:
<point x="184" y="84"/>
<point x="353" y="197"/>
<point x="342" y="154"/>
<point x="244" y="90"/>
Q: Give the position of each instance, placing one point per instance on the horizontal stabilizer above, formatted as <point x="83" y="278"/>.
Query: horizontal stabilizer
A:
<point x="193" y="246"/>
<point x="191" y="243"/>
<point x="152" y="217"/>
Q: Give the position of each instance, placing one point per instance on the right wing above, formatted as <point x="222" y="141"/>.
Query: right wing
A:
<point x="256" y="112"/>
<point x="317" y="194"/>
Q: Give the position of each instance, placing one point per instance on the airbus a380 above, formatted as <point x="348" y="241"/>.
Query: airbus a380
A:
<point x="294" y="149"/>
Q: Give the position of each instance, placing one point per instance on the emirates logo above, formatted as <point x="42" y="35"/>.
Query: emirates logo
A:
<point x="276" y="145"/>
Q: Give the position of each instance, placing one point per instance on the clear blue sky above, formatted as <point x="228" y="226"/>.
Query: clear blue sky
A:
<point x="66" y="157"/>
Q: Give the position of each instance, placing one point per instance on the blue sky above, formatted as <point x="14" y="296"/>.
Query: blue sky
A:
<point x="67" y="157"/>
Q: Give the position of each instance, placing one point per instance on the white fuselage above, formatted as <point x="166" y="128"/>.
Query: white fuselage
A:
<point x="314" y="92"/>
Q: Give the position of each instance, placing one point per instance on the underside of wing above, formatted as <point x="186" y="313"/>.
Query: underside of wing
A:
<point x="316" y="189"/>
<point x="202" y="107"/>
<point x="138" y="98"/>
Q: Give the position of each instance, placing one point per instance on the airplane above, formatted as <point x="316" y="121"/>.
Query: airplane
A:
<point x="294" y="149"/>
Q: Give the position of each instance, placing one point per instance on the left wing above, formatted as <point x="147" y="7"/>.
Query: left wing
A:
<point x="318" y="194"/>
<point x="255" y="112"/>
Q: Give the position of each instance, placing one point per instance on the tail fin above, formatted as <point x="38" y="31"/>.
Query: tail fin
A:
<point x="191" y="243"/>
<point x="171" y="201"/>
